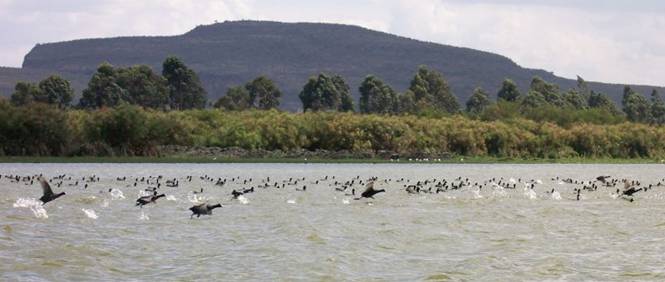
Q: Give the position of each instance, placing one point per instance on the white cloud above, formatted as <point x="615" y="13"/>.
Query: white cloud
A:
<point x="612" y="40"/>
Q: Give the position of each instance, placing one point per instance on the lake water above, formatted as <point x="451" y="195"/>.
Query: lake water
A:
<point x="322" y="235"/>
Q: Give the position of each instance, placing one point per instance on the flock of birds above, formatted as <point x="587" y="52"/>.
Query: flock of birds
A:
<point x="152" y="187"/>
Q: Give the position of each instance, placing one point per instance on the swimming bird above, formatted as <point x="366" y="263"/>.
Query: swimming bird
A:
<point x="48" y="194"/>
<point x="148" y="199"/>
<point x="203" y="209"/>
<point x="370" y="191"/>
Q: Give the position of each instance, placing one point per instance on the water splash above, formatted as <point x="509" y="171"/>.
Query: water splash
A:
<point x="498" y="191"/>
<point x="243" y="200"/>
<point x="171" y="198"/>
<point x="346" y="201"/>
<point x="90" y="213"/>
<point x="476" y="194"/>
<point x="530" y="194"/>
<point x="144" y="216"/>
<point x="195" y="199"/>
<point x="35" y="206"/>
<point x="116" y="194"/>
<point x="143" y="193"/>
<point x="556" y="195"/>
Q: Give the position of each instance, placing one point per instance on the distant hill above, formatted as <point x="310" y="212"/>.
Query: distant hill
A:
<point x="231" y="53"/>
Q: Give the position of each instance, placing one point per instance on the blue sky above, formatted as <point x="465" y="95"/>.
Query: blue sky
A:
<point x="613" y="41"/>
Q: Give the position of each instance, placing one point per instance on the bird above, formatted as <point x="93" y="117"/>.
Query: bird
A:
<point x="603" y="178"/>
<point x="370" y="191"/>
<point x="48" y="194"/>
<point x="236" y="194"/>
<point x="630" y="191"/>
<point x="148" y="199"/>
<point x="203" y="209"/>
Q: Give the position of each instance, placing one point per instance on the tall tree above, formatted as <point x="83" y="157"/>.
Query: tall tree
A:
<point x="236" y="99"/>
<point x="549" y="91"/>
<point x="103" y="90"/>
<point x="583" y="87"/>
<point x="533" y="99"/>
<point x="478" y="102"/>
<point x="575" y="100"/>
<point x="376" y="96"/>
<point x="636" y="106"/>
<point x="657" y="108"/>
<point x="263" y="93"/>
<point x="509" y="91"/>
<point x="601" y="101"/>
<point x="184" y="85"/>
<point x="325" y="92"/>
<point x="406" y="103"/>
<point x="432" y="90"/>
<point x="143" y="86"/>
<point x="56" y="90"/>
<point x="24" y="93"/>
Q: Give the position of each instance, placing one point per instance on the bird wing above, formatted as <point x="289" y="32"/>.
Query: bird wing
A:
<point x="45" y="186"/>
<point x="369" y="186"/>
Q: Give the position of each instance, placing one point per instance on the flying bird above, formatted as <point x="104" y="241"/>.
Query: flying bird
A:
<point x="48" y="194"/>
<point x="203" y="209"/>
<point x="370" y="191"/>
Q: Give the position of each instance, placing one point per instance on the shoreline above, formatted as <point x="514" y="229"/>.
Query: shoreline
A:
<point x="204" y="160"/>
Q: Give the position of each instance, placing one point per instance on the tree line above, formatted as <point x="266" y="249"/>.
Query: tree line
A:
<point x="177" y="88"/>
<point x="429" y="94"/>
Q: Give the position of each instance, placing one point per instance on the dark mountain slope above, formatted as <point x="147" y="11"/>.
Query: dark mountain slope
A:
<point x="232" y="53"/>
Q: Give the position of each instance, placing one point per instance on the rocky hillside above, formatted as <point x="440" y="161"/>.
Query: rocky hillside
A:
<point x="230" y="53"/>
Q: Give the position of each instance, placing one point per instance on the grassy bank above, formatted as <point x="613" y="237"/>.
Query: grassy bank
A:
<point x="461" y="160"/>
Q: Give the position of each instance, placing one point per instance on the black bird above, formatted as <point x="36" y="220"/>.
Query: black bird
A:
<point x="602" y="178"/>
<point x="48" y="193"/>
<point x="236" y="194"/>
<point x="148" y="199"/>
<point x="631" y="191"/>
<point x="370" y="191"/>
<point x="203" y="209"/>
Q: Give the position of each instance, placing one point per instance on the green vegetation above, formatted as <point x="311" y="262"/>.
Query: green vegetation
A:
<point x="135" y="112"/>
<point x="326" y="93"/>
<point x="41" y="130"/>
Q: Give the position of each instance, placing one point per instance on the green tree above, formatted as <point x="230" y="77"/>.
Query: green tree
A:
<point x="575" y="100"/>
<point x="583" y="87"/>
<point x="24" y="93"/>
<point x="376" y="96"/>
<point x="263" y="93"/>
<point x="56" y="90"/>
<point x="533" y="99"/>
<point x="236" y="99"/>
<point x="185" y="88"/>
<point x="601" y="101"/>
<point x="509" y="91"/>
<point x="432" y="90"/>
<point x="325" y="93"/>
<point x="143" y="86"/>
<point x="657" y="108"/>
<point x="478" y="102"/>
<point x="636" y="106"/>
<point x="406" y="103"/>
<point x="103" y="89"/>
<point x="549" y="91"/>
